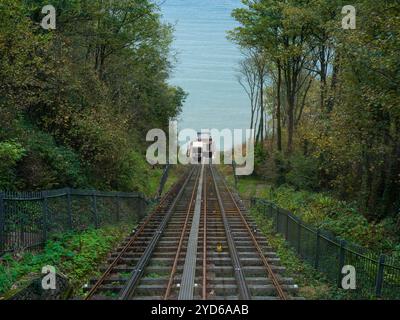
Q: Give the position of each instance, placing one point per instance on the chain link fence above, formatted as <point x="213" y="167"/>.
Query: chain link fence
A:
<point x="27" y="219"/>
<point x="377" y="276"/>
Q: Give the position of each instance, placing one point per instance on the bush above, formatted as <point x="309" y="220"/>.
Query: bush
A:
<point x="134" y="173"/>
<point x="302" y="172"/>
<point x="339" y="217"/>
<point x="271" y="167"/>
<point x="260" y="157"/>
<point x="47" y="165"/>
<point x="10" y="153"/>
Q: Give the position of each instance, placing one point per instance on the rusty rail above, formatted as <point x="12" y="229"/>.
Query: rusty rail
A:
<point x="267" y="266"/>
<point x="133" y="239"/>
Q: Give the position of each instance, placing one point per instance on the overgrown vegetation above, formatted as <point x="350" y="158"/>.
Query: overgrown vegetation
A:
<point x="323" y="210"/>
<point x="76" y="255"/>
<point x="75" y="101"/>
<point x="312" y="284"/>
<point x="325" y="105"/>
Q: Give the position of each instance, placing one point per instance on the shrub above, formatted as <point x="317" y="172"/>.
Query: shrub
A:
<point x="339" y="217"/>
<point x="134" y="173"/>
<point x="10" y="153"/>
<point x="303" y="172"/>
<point x="47" y="165"/>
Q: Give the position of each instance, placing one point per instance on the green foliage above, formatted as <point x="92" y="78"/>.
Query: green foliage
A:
<point x="302" y="172"/>
<point x="80" y="98"/>
<point x="296" y="170"/>
<point x="134" y="174"/>
<point x="338" y="98"/>
<point x="322" y="210"/>
<point x="77" y="255"/>
<point x="260" y="155"/>
<point x="10" y="154"/>
<point x="47" y="165"/>
<point x="312" y="284"/>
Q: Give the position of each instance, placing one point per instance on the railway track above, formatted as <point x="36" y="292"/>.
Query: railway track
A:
<point x="199" y="243"/>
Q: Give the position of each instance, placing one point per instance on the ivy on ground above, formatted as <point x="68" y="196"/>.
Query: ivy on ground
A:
<point x="76" y="255"/>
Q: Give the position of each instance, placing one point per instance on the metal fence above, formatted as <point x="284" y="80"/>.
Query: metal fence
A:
<point x="27" y="219"/>
<point x="377" y="276"/>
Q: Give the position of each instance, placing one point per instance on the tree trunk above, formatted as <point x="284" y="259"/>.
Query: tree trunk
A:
<point x="323" y="63"/>
<point x="261" y="106"/>
<point x="335" y="73"/>
<point x="278" y="109"/>
<point x="291" y="93"/>
<point x="290" y="125"/>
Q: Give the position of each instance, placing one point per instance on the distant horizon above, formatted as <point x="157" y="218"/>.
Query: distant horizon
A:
<point x="207" y="64"/>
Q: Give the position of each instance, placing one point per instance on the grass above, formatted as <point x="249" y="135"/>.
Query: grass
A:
<point x="76" y="255"/>
<point x="124" y="274"/>
<point x="111" y="294"/>
<point x="154" y="275"/>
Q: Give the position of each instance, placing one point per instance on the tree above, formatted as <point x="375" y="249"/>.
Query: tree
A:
<point x="247" y="78"/>
<point x="88" y="89"/>
<point x="336" y="92"/>
<point x="281" y="29"/>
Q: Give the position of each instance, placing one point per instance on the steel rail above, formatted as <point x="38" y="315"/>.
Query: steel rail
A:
<point x="126" y="247"/>
<point x="267" y="266"/>
<point x="244" y="291"/>
<point x="143" y="261"/>
<point x="182" y="238"/>
<point x="204" y="287"/>
<point x="188" y="281"/>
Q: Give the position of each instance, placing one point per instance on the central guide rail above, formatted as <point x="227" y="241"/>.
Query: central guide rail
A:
<point x="186" y="291"/>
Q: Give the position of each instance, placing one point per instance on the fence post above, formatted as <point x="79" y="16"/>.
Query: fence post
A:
<point x="2" y="223"/>
<point x="342" y="253"/>
<point x="117" y="201"/>
<point x="317" y="247"/>
<point x="380" y="276"/>
<point x="287" y="227"/>
<point x="69" y="209"/>
<point x="45" y="212"/>
<point x="298" y="235"/>
<point x="277" y="218"/>
<point x="94" y="209"/>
